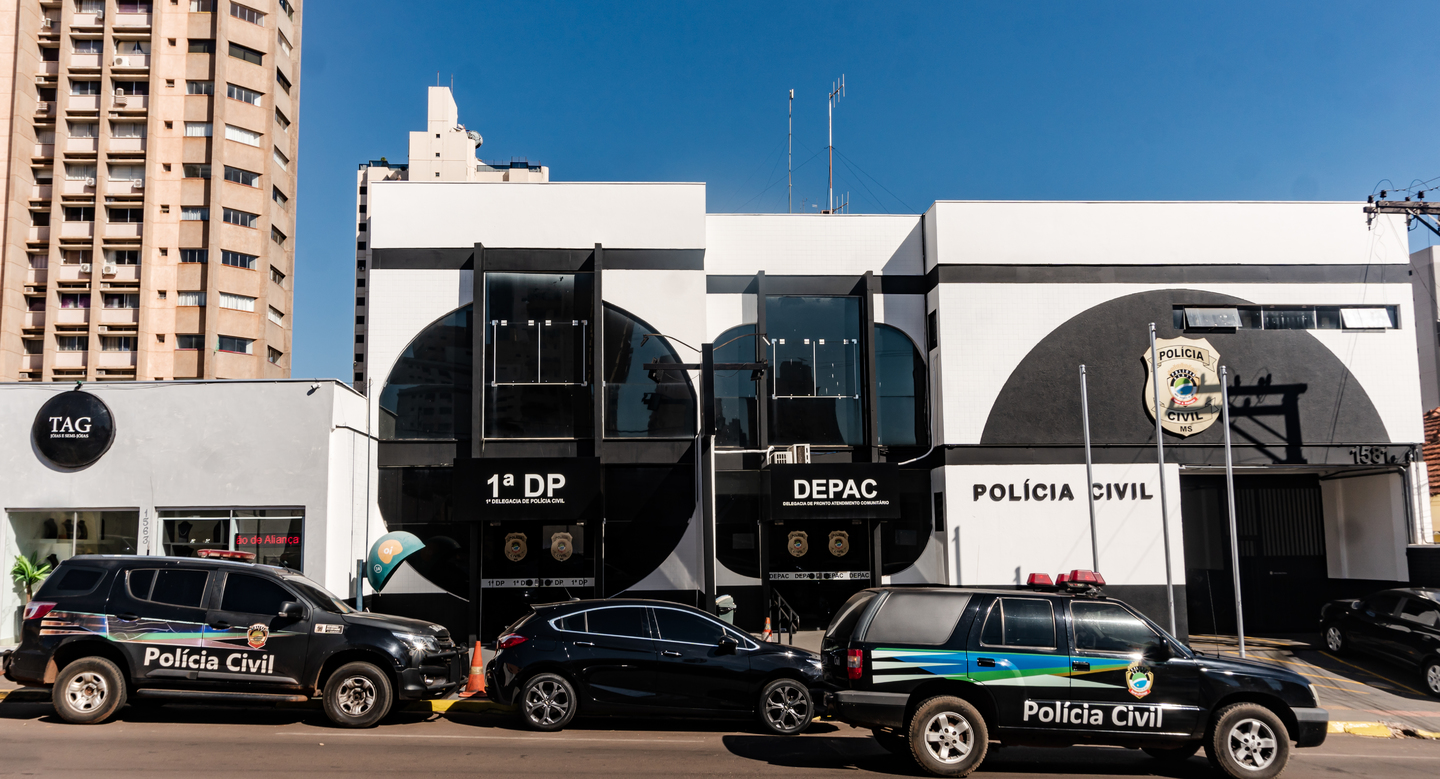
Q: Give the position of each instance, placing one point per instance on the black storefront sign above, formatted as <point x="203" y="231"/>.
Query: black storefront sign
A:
<point x="835" y="491"/>
<point x="546" y="488"/>
<point x="73" y="429"/>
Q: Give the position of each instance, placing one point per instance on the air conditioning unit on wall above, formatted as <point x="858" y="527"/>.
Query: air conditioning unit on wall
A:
<point x="120" y="62"/>
<point x="84" y="267"/>
<point x="107" y="270"/>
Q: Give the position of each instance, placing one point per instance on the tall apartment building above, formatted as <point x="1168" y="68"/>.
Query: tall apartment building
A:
<point x="150" y="168"/>
<point x="443" y="151"/>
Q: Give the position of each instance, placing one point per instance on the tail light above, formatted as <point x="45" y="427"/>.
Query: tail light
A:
<point x="36" y="609"/>
<point x="511" y="640"/>
<point x="854" y="663"/>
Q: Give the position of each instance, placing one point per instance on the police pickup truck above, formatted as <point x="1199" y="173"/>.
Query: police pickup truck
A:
<point x="106" y="629"/>
<point x="938" y="674"/>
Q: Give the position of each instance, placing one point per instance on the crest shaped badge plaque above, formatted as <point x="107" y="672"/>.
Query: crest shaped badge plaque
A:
<point x="1189" y="384"/>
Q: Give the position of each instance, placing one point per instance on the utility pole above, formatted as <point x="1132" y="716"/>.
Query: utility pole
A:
<point x="837" y="91"/>
<point x="1414" y="210"/>
<point x="790" y="156"/>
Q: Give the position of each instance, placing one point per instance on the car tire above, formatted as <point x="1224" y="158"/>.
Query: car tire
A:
<point x="1247" y="741"/>
<point x="547" y="702"/>
<point x="1173" y="754"/>
<point x="1335" y="640"/>
<point x="88" y="691"/>
<point x="357" y="695"/>
<point x="948" y="736"/>
<point x="1431" y="677"/>
<point x="785" y="707"/>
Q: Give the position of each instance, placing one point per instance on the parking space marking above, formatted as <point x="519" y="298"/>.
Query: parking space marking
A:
<point x="556" y="739"/>
<point x="1372" y="673"/>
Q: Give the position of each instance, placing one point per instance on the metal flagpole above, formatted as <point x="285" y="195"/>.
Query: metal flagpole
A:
<point x="1160" y="462"/>
<point x="1089" y="471"/>
<point x="1230" y="498"/>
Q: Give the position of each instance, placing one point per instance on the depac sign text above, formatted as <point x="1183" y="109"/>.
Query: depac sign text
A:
<point x="834" y="489"/>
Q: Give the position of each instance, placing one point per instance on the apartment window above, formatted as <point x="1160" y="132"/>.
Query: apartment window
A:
<point x="274" y="315"/>
<point x="195" y="171"/>
<point x="128" y="129"/>
<point x="34" y="304"/>
<point x="44" y="137"/>
<point x="121" y="300"/>
<point x="75" y="172"/>
<point x="238" y="260"/>
<point x="189" y="340"/>
<point x="127" y="172"/>
<point x="281" y="120"/>
<point x="49" y="54"/>
<point x="123" y="256"/>
<point x="73" y="343"/>
<point x="34" y="346"/>
<point x="88" y="46"/>
<point x="242" y="218"/>
<point x="194" y="214"/>
<point x="140" y="7"/>
<point x="278" y="196"/>
<point x="79" y="213"/>
<point x="40" y="218"/>
<point x="237" y="302"/>
<point x="197" y="129"/>
<point x="282" y="81"/>
<point x="242" y="135"/>
<point x="360" y="283"/>
<point x="285" y="6"/>
<point x="362" y="227"/>
<point x="272" y="354"/>
<point x="117" y="343"/>
<point x="246" y="53"/>
<point x="84" y="87"/>
<point x="280" y="159"/>
<point x="360" y="246"/>
<point x="44" y="176"/>
<point x="190" y="298"/>
<point x="247" y="13"/>
<point x="140" y="48"/>
<point x="230" y="343"/>
<point x="276" y="276"/>
<point x="199" y="87"/>
<point x="359" y="302"/>
<point x="285" y="47"/>
<point x="359" y="320"/>
<point x="194" y="255"/>
<point x="202" y="46"/>
<point x="242" y="94"/>
<point x="242" y="177"/>
<point x="132" y="87"/>
<point x="39" y="261"/>
<point x="126" y="215"/>
<point x="72" y="257"/>
<point x="202" y="7"/>
<point x="277" y="236"/>
<point x="84" y="130"/>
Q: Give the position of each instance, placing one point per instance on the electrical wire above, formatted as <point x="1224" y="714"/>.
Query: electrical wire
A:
<point x="877" y="181"/>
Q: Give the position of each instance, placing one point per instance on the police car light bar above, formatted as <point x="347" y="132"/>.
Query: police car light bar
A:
<point x="226" y="554"/>
<point x="1079" y="576"/>
<point x="1039" y="580"/>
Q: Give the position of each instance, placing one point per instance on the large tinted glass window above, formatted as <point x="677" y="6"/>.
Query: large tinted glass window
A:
<point x="917" y="618"/>
<point x="641" y="399"/>
<point x="76" y="581"/>
<point x="736" y="417"/>
<point x="816" y="386"/>
<point x="1020" y="622"/>
<point x="1382" y="604"/>
<point x="253" y="595"/>
<point x="618" y="621"/>
<point x="1106" y="627"/>
<point x="537" y="373"/>
<point x="844" y="623"/>
<point x="901" y="383"/>
<point x="180" y="587"/>
<point x="687" y="628"/>
<point x="428" y="393"/>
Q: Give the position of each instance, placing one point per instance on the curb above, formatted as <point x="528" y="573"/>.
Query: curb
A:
<point x="438" y="706"/>
<point x="1371" y="729"/>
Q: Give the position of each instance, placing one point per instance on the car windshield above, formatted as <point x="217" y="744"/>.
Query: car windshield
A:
<point x="318" y="595"/>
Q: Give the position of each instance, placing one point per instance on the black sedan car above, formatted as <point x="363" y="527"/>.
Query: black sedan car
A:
<point x="643" y="657"/>
<point x="1402" y="626"/>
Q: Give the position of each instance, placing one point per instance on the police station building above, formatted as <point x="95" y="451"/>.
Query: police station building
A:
<point x="896" y="399"/>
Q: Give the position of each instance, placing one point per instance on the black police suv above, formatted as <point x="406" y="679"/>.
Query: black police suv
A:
<point x="106" y="629"/>
<point x="647" y="657"/>
<point x="1402" y="626"/>
<point x="939" y="673"/>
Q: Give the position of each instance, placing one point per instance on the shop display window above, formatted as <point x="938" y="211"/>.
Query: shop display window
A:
<point x="53" y="536"/>
<point x="274" y="536"/>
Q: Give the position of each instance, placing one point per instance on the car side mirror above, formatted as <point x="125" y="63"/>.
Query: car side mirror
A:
<point x="1157" y="651"/>
<point x="727" y="646"/>
<point x="292" y="610"/>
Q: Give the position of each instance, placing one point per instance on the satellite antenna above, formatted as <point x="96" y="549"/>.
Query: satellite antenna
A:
<point x="837" y="91"/>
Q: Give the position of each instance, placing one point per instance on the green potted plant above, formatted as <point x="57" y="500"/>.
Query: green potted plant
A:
<point x="28" y="572"/>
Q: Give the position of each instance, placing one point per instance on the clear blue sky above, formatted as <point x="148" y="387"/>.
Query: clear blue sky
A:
<point x="951" y="100"/>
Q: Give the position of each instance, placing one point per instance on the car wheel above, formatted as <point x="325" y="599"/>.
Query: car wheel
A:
<point x="948" y="736"/>
<point x="357" y="695"/>
<point x="1432" y="677"/>
<point x="1173" y="754"/>
<point x="1335" y="640"/>
<point x="88" y="691"/>
<point x="547" y="702"/>
<point x="785" y="707"/>
<point x="1247" y="741"/>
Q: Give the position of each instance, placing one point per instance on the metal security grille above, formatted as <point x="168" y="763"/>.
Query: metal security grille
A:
<point x="1280" y="518"/>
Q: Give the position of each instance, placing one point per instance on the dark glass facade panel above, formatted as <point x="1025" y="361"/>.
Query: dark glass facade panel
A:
<point x="816" y="353"/>
<point x="1289" y="318"/>
<point x="736" y="414"/>
<point x="417" y="495"/>
<point x="900" y="380"/>
<point x="537" y="374"/>
<point x="641" y="401"/>
<point x="428" y="392"/>
<point x="647" y="509"/>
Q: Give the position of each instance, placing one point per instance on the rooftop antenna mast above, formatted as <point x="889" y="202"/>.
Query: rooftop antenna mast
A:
<point x="790" y="155"/>
<point x="837" y="91"/>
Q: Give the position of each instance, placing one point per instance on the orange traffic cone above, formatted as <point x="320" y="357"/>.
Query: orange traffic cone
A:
<point x="766" y="635"/>
<point x="475" y="685"/>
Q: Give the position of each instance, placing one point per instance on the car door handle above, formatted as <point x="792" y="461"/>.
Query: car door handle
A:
<point x="584" y="643"/>
<point x="985" y="662"/>
<point x="220" y="625"/>
<point x="668" y="653"/>
<point x="1080" y="665"/>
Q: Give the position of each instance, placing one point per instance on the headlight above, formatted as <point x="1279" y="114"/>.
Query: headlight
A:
<point x="418" y="643"/>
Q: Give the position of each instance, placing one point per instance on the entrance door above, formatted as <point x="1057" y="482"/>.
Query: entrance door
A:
<point x="817" y="564"/>
<point x="531" y="561"/>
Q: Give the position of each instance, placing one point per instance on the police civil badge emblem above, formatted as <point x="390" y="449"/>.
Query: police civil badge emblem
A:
<point x="798" y="544"/>
<point x="839" y="543"/>
<point x="1139" y="679"/>
<point x="515" y="547"/>
<point x="561" y="546"/>
<point x="257" y="635"/>
<point x="1190" y="385"/>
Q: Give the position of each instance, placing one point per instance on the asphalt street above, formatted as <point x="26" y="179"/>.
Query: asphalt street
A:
<point x="249" y="742"/>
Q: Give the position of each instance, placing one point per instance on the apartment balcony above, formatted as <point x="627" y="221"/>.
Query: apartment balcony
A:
<point x="123" y="230"/>
<point x="78" y="187"/>
<point x="32" y="362"/>
<point x="126" y="273"/>
<point x="131" y="21"/>
<point x="124" y="187"/>
<point x="77" y="229"/>
<point x="127" y="145"/>
<point x="84" y="61"/>
<point x="82" y="145"/>
<point x="39" y="233"/>
<point x="131" y="102"/>
<point x="124" y="62"/>
<point x="44" y="150"/>
<point x="36" y="276"/>
<point x="87" y="20"/>
<point x="72" y="316"/>
<point x="119" y="316"/>
<point x="63" y="360"/>
<point x="70" y="271"/>
<point x="42" y="192"/>
<point x="116" y="360"/>
<point x="34" y="319"/>
<point x="84" y="103"/>
<point x="48" y="69"/>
